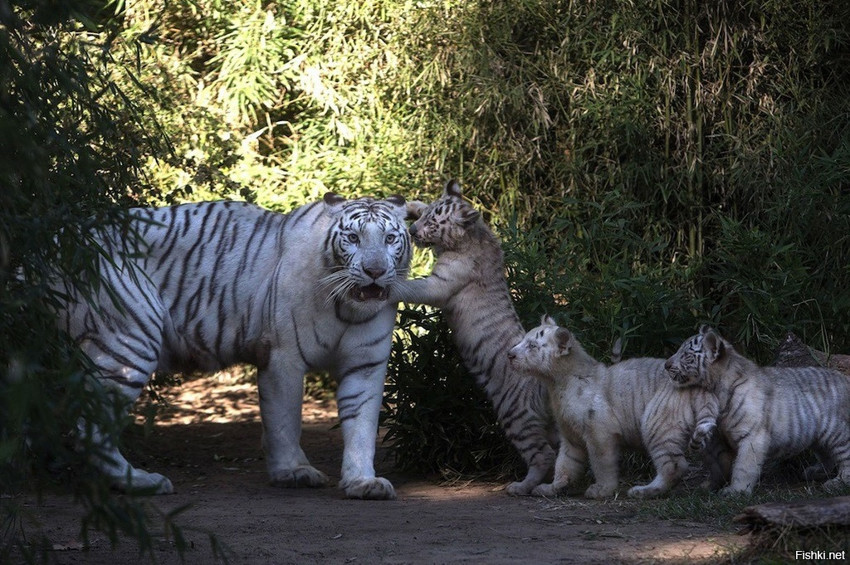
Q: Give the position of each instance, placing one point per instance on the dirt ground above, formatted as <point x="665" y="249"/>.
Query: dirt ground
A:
<point x="208" y="444"/>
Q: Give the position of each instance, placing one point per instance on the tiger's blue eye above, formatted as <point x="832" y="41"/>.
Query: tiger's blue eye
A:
<point x="353" y="238"/>
<point x="390" y="238"/>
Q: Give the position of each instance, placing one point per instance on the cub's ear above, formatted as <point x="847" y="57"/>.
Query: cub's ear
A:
<point x="453" y="189"/>
<point x="415" y="209"/>
<point x="468" y="217"/>
<point x="715" y="346"/>
<point x="563" y="341"/>
<point x="547" y="320"/>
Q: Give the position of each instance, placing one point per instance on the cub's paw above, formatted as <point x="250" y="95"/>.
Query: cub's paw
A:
<point x="645" y="491"/>
<point x="598" y="490"/>
<point x="377" y="488"/>
<point x="519" y="489"/>
<point x="547" y="490"/>
<point x="142" y="482"/>
<point x="702" y="436"/>
<point x="815" y="473"/>
<point x="731" y="491"/>
<point x="301" y="476"/>
<point x="834" y="484"/>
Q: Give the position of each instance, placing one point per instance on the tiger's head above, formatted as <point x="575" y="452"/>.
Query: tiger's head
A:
<point x="691" y="364"/>
<point x="445" y="223"/>
<point x="367" y="249"/>
<point x="541" y="348"/>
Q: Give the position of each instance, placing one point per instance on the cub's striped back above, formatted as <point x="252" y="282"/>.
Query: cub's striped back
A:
<point x="767" y="412"/>
<point x="468" y="283"/>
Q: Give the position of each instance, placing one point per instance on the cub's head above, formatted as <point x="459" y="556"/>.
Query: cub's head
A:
<point x="691" y="364"/>
<point x="444" y="223"/>
<point x="541" y="347"/>
<point x="367" y="249"/>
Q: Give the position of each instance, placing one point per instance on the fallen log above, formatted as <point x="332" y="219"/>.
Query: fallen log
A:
<point x="792" y="352"/>
<point x="820" y="512"/>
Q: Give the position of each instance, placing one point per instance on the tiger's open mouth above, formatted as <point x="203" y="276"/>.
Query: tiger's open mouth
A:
<point x="420" y="242"/>
<point x="369" y="292"/>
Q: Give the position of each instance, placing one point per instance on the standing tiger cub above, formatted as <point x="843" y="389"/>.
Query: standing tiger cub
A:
<point x="601" y="408"/>
<point x="767" y="412"/>
<point x="468" y="283"/>
<point x="219" y="283"/>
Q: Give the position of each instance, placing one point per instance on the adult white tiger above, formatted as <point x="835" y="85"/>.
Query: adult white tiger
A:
<point x="220" y="283"/>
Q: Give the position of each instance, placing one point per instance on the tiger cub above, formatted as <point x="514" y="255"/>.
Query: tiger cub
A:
<point x="767" y="412"/>
<point x="600" y="408"/>
<point x="468" y="283"/>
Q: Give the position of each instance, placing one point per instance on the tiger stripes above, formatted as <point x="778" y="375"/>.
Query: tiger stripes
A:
<point x="468" y="283"/>
<point x="207" y="285"/>
<point x="602" y="408"/>
<point x="766" y="412"/>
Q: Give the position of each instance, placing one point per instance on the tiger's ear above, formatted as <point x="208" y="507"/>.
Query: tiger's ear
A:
<point x="468" y="216"/>
<point x="415" y="209"/>
<point x="397" y="201"/>
<point x="714" y="346"/>
<point x="453" y="189"/>
<point x="547" y="320"/>
<point x="563" y="341"/>
<point x="333" y="199"/>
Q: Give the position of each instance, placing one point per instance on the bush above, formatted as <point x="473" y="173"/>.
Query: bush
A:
<point x="649" y="167"/>
<point x="70" y="147"/>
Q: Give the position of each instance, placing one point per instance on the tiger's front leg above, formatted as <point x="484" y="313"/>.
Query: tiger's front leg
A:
<point x="281" y="386"/>
<point x="359" y="394"/>
<point x="746" y="469"/>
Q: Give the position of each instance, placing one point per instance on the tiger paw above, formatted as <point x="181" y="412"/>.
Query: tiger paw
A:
<point x="547" y="490"/>
<point x="377" y="488"/>
<point x="301" y="476"/>
<point x="815" y="473"/>
<point x="598" y="490"/>
<point x="519" y="488"/>
<point x="646" y="491"/>
<point x="731" y="491"/>
<point x="834" y="484"/>
<point x="702" y="436"/>
<point x="142" y="482"/>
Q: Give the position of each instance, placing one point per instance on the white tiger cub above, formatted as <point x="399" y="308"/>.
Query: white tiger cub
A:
<point x="219" y="283"/>
<point x="601" y="408"/>
<point x="468" y="283"/>
<point x="767" y="412"/>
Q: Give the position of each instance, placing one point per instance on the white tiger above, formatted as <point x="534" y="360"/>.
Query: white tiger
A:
<point x="219" y="283"/>
<point x="600" y="408"/>
<point x="767" y="412"/>
<point x="468" y="283"/>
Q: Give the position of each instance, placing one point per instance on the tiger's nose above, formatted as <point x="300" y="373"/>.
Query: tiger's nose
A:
<point x="511" y="355"/>
<point x="668" y="364"/>
<point x="374" y="272"/>
<point x="412" y="229"/>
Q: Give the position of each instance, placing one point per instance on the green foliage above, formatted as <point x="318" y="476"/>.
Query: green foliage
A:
<point x="70" y="150"/>
<point x="649" y="166"/>
<point x="438" y="420"/>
